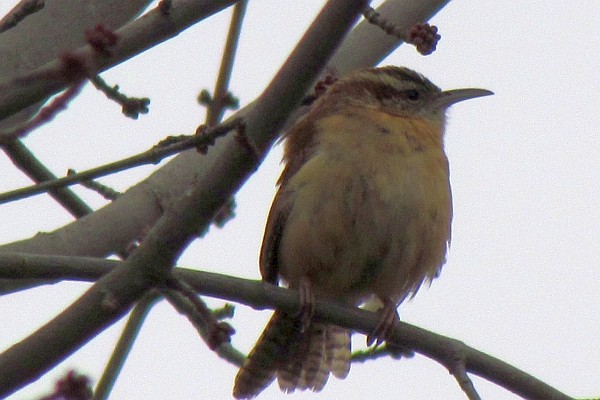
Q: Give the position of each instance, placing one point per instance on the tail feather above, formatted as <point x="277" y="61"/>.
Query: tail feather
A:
<point x="339" y="349"/>
<point x="299" y="360"/>
<point x="315" y="366"/>
<point x="273" y="348"/>
<point x="288" y="376"/>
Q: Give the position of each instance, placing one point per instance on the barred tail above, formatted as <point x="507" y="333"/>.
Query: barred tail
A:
<point x="325" y="350"/>
<point x="299" y="360"/>
<point x="274" y="347"/>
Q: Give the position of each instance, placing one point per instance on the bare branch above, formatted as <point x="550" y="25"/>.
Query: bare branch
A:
<point x="151" y="156"/>
<point x="214" y="333"/>
<point x="260" y="295"/>
<point x="103" y="304"/>
<point x="105" y="191"/>
<point x="45" y="115"/>
<point x="22" y="50"/>
<point x="225" y="350"/>
<point x="458" y="370"/>
<point x="132" y="107"/>
<point x="124" y="345"/>
<point x="27" y="162"/>
<point x="135" y="37"/>
<point x="403" y="13"/>
<point x="222" y="99"/>
<point x="423" y="36"/>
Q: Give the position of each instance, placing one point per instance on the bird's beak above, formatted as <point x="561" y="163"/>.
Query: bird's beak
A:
<point x="449" y="97"/>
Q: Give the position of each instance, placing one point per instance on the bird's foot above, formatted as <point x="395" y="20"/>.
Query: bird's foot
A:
<point x="388" y="319"/>
<point x="307" y="304"/>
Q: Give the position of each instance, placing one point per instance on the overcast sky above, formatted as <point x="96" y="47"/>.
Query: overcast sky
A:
<point x="522" y="274"/>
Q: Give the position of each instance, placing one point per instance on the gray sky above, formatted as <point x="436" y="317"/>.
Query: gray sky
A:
<point x="521" y="278"/>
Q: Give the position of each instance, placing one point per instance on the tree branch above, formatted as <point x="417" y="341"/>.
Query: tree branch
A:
<point x="261" y="295"/>
<point x="22" y="50"/>
<point x="27" y="162"/>
<point x="221" y="98"/>
<point x="133" y="38"/>
<point x="154" y="155"/>
<point x="124" y="345"/>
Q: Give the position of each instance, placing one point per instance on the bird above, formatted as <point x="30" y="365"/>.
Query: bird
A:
<point x="363" y="213"/>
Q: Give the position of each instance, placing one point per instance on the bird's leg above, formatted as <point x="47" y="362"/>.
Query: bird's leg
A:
<point x="388" y="319"/>
<point x="307" y="303"/>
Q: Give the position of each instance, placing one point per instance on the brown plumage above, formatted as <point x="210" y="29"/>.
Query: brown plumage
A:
<point x="363" y="210"/>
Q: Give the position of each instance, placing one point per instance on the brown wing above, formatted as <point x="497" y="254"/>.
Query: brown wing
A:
<point x="269" y="253"/>
<point x="299" y="147"/>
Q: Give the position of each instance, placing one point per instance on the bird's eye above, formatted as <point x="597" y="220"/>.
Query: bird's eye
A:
<point x="413" y="95"/>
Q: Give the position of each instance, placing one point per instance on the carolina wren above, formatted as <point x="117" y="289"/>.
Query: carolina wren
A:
<point x="363" y="210"/>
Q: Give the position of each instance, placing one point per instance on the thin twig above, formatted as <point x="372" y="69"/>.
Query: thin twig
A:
<point x="131" y="107"/>
<point x="103" y="190"/>
<point x="151" y="156"/>
<point x="71" y="69"/>
<point x="222" y="99"/>
<point x="44" y="116"/>
<point x="214" y="332"/>
<point x="134" y="37"/>
<point x="423" y="36"/>
<point x="182" y="304"/>
<point x="375" y="18"/>
<point x="124" y="345"/>
<point x="29" y="164"/>
<point x="460" y="374"/>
